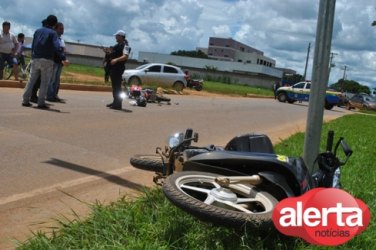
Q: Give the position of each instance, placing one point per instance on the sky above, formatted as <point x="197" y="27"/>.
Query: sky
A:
<point x="281" y="29"/>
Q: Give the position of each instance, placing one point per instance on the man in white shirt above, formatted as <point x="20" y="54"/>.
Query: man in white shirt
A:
<point x="8" y="45"/>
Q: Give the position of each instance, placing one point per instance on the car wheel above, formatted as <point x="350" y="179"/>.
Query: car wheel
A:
<point x="178" y="86"/>
<point x="134" y="81"/>
<point x="328" y="105"/>
<point x="282" y="97"/>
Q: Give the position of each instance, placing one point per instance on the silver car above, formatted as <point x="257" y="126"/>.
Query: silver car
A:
<point x="156" y="74"/>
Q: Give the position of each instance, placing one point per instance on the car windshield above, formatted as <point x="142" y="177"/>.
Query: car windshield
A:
<point x="143" y="66"/>
<point x="299" y="85"/>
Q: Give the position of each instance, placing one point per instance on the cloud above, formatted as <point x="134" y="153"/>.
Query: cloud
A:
<point x="282" y="29"/>
<point x="222" y="31"/>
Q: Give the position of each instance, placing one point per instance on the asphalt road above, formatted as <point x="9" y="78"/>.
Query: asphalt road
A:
<point x="81" y="140"/>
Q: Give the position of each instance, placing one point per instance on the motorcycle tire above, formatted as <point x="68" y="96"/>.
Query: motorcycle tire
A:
<point x="163" y="99"/>
<point x="199" y="195"/>
<point x="147" y="162"/>
<point x="198" y="87"/>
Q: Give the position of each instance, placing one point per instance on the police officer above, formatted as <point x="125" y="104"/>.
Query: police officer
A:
<point x="119" y="56"/>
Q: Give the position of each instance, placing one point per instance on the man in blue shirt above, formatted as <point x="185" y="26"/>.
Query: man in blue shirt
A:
<point x="45" y="45"/>
<point x="59" y="61"/>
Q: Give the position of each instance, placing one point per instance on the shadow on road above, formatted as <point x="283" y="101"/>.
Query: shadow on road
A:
<point x="123" y="110"/>
<point x="89" y="171"/>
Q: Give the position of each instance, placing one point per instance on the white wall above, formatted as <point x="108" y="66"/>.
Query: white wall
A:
<point x="202" y="63"/>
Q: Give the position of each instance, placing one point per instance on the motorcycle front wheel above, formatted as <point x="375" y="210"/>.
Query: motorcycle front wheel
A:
<point x="147" y="162"/>
<point x="237" y="206"/>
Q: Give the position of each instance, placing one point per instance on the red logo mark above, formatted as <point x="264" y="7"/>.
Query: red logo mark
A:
<point x="322" y="216"/>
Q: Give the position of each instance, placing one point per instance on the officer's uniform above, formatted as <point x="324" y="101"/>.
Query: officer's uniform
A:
<point x="116" y="72"/>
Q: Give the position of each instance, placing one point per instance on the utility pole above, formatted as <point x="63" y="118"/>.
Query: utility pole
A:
<point x="306" y="63"/>
<point x="345" y="68"/>
<point x="344" y="73"/>
<point x="331" y="64"/>
<point x="320" y="74"/>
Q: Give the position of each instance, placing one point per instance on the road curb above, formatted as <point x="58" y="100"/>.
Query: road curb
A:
<point x="68" y="86"/>
<point x="259" y="96"/>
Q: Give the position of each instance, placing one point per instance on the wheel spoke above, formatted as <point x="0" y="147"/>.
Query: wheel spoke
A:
<point x="244" y="200"/>
<point x="209" y="200"/>
<point x="237" y="207"/>
<point x="198" y="189"/>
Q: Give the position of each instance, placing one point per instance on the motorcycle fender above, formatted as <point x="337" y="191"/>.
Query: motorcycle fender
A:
<point x="278" y="180"/>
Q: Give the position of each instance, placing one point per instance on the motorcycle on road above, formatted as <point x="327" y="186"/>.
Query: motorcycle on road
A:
<point x="241" y="183"/>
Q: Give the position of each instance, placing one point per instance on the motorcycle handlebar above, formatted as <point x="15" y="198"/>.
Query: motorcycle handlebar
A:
<point x="329" y="142"/>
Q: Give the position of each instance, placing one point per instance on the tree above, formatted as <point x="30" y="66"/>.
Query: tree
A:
<point x="350" y="86"/>
<point x="374" y="23"/>
<point x="190" y="53"/>
<point x="291" y="79"/>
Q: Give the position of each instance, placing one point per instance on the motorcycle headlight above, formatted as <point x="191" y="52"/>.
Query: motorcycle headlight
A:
<point x="175" y="140"/>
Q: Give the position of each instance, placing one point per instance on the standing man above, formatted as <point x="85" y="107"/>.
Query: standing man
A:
<point x="59" y="61"/>
<point x="45" y="45"/>
<point x="119" y="56"/>
<point x="8" y="46"/>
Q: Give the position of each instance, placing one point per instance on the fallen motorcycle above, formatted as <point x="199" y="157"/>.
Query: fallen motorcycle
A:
<point x="241" y="183"/>
<point x="144" y="96"/>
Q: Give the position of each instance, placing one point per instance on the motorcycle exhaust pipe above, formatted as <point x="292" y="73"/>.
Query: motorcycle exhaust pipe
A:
<point x="225" y="181"/>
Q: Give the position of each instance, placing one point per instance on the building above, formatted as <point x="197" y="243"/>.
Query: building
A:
<point x="228" y="49"/>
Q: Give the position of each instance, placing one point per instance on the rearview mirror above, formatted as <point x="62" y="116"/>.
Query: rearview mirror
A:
<point x="195" y="137"/>
<point x="346" y="149"/>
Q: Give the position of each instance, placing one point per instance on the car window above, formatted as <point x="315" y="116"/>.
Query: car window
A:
<point x="308" y="86"/>
<point x="155" y="68"/>
<point x="167" y="69"/>
<point x="299" y="85"/>
<point x="142" y="66"/>
<point x="369" y="98"/>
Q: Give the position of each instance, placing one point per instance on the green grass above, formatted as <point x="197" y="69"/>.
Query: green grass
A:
<point x="235" y="89"/>
<point x="83" y="69"/>
<point x="151" y="222"/>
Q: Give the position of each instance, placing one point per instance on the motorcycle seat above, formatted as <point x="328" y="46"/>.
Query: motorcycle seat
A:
<point x="252" y="142"/>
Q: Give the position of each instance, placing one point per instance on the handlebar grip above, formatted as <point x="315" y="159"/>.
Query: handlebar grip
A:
<point x="329" y="141"/>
